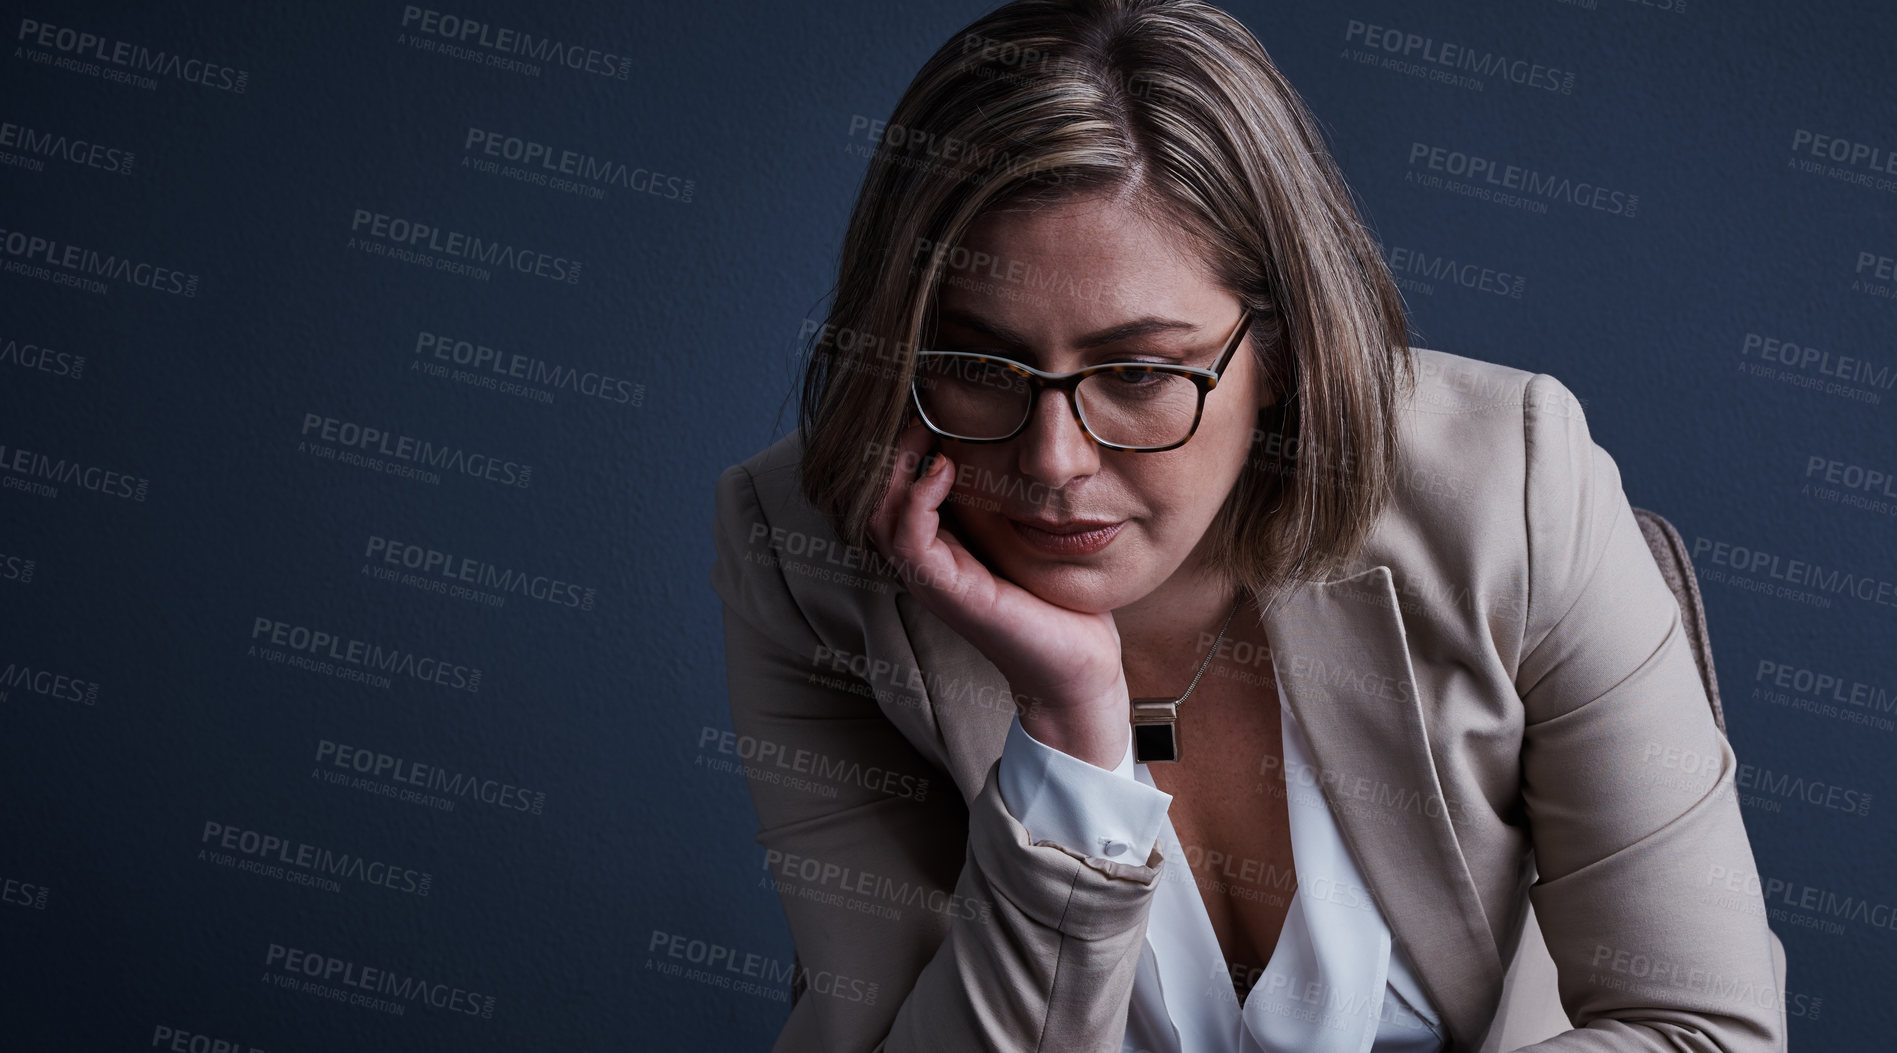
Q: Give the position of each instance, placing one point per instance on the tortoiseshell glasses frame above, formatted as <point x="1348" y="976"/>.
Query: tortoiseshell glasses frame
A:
<point x="1203" y="379"/>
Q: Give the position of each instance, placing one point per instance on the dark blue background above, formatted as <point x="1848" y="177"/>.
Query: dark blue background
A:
<point x="701" y="302"/>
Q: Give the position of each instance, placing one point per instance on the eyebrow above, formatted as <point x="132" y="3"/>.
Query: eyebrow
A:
<point x="1145" y="325"/>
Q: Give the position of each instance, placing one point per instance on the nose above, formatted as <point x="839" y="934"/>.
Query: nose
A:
<point x="1052" y="450"/>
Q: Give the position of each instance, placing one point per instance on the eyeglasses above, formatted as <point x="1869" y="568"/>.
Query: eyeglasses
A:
<point x="1145" y="407"/>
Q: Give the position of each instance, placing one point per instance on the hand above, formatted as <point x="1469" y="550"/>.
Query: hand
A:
<point x="1067" y="663"/>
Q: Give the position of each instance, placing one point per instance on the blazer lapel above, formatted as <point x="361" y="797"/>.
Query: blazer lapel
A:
<point x="1340" y="653"/>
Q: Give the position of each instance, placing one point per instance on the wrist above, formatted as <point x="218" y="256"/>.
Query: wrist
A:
<point x="1094" y="728"/>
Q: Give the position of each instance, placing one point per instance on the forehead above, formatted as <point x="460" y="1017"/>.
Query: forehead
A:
<point x="1083" y="263"/>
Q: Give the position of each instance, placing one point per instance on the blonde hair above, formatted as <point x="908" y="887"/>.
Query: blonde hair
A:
<point x="1173" y="106"/>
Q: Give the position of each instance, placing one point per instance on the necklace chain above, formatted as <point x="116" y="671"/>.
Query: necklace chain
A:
<point x="1156" y="720"/>
<point x="1214" y="649"/>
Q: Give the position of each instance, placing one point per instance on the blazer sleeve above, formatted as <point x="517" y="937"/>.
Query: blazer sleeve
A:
<point x="920" y="922"/>
<point x="1643" y="863"/>
<point x="1059" y="797"/>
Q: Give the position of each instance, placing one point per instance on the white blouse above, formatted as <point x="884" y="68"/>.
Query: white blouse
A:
<point x="1336" y="983"/>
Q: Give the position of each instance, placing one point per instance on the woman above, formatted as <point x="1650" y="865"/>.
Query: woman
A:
<point x="1279" y="667"/>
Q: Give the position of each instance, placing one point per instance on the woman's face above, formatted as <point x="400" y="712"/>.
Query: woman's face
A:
<point x="1043" y="288"/>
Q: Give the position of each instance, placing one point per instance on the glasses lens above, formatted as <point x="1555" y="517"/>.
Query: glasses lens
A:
<point x="1135" y="407"/>
<point x="972" y="398"/>
<point x="985" y="398"/>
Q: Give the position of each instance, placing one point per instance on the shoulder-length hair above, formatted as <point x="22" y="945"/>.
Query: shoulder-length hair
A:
<point x="1172" y="104"/>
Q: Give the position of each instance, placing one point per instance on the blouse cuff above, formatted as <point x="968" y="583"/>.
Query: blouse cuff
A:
<point x="1093" y="810"/>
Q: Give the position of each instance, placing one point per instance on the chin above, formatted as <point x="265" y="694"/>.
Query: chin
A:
<point x="1089" y="590"/>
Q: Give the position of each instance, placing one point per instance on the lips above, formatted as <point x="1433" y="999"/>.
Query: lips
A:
<point x="1069" y="526"/>
<point x="1073" y="537"/>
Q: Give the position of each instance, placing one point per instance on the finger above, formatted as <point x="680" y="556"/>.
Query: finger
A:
<point x="918" y="524"/>
<point x="934" y="560"/>
<point x="905" y="453"/>
<point x="913" y="442"/>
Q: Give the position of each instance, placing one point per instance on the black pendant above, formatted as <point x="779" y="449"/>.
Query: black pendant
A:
<point x="1155" y="730"/>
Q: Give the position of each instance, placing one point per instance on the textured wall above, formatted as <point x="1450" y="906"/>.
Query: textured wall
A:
<point x="356" y="464"/>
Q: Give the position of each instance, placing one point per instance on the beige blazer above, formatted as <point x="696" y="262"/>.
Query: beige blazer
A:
<point x="1499" y="695"/>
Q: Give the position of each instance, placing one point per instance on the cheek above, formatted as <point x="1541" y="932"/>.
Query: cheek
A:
<point x="974" y="484"/>
<point x="1186" y="494"/>
<point x="1167" y="491"/>
<point x="986" y="487"/>
<point x="1228" y="439"/>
